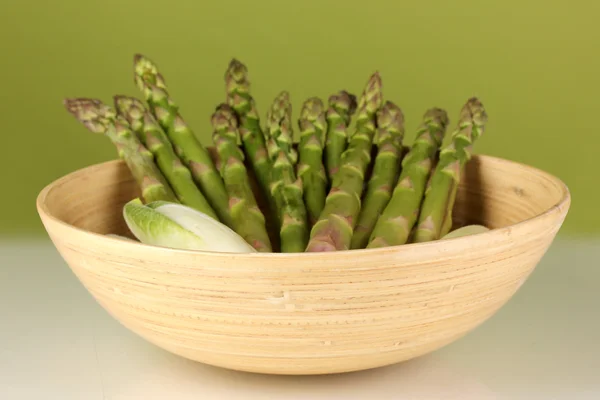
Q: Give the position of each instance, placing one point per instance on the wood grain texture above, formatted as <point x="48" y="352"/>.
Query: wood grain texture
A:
<point x="312" y="313"/>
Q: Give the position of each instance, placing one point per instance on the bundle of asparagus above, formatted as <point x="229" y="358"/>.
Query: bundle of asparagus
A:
<point x="333" y="230"/>
<point x="153" y="86"/>
<point x="331" y="191"/>
<point x="152" y="136"/>
<point x="435" y="219"/>
<point x="390" y="121"/>
<point x="393" y="227"/>
<point x="286" y="188"/>
<point x="248" y="220"/>
<point x="100" y="118"/>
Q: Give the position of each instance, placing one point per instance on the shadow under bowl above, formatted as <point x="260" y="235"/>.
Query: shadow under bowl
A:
<point x="308" y="313"/>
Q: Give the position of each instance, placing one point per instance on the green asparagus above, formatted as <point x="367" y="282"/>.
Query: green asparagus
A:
<point x="153" y="137"/>
<point x="186" y="144"/>
<point x="286" y="188"/>
<point x="394" y="225"/>
<point x="390" y="133"/>
<point x="101" y="118"/>
<point x="312" y="126"/>
<point x="341" y="107"/>
<point x="435" y="219"/>
<point x="253" y="138"/>
<point x="333" y="230"/>
<point x="248" y="220"/>
<point x="279" y="125"/>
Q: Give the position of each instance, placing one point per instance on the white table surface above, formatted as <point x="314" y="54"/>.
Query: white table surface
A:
<point x="57" y="343"/>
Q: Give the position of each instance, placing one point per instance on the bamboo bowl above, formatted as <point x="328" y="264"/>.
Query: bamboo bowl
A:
<point x="311" y="313"/>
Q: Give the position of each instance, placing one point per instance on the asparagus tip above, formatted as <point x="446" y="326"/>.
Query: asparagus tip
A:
<point x="235" y="63"/>
<point x="123" y="102"/>
<point x="474" y="102"/>
<point x="224" y="116"/>
<point x="311" y="109"/>
<point x="343" y="100"/>
<point x="283" y="96"/>
<point x="473" y="113"/>
<point x="67" y="103"/>
<point x="390" y="117"/>
<point x="130" y="107"/>
<point x="236" y="81"/>
<point x="374" y="84"/>
<point x="236" y="69"/>
<point x="371" y="98"/>
<point x="141" y="64"/>
<point x="146" y="73"/>
<point x="224" y="107"/>
<point x="391" y="109"/>
<point x="438" y="114"/>
<point x="477" y="110"/>
<point x="85" y="108"/>
<point x="92" y="113"/>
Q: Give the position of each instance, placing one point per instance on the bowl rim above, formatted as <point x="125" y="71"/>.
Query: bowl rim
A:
<point x="562" y="206"/>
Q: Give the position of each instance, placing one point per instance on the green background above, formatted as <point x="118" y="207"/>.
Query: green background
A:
<point x="535" y="65"/>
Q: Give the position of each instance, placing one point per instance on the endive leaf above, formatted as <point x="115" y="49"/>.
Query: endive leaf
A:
<point x="161" y="224"/>
<point x="151" y="227"/>
<point x="216" y="235"/>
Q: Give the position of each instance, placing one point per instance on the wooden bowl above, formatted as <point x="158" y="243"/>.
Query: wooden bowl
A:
<point x="309" y="313"/>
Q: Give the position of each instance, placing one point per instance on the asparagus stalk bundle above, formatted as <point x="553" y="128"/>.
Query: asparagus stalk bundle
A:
<point x="101" y="118"/>
<point x="435" y="219"/>
<point x="314" y="191"/>
<point x="390" y="133"/>
<point x="342" y="106"/>
<point x="188" y="147"/>
<point x="248" y="220"/>
<point x="253" y="138"/>
<point x="393" y="227"/>
<point x="153" y="137"/>
<point x="312" y="126"/>
<point x="286" y="188"/>
<point x="333" y="230"/>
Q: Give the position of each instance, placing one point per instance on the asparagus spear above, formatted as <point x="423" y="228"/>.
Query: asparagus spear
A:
<point x="286" y="188"/>
<point x="393" y="227"/>
<point x="435" y="219"/>
<point x="253" y="139"/>
<point x="333" y="230"/>
<point x="310" y="168"/>
<point x="390" y="133"/>
<point x="100" y="118"/>
<point x="279" y="125"/>
<point x="153" y="137"/>
<point x="248" y="220"/>
<point x="186" y="144"/>
<point x="341" y="107"/>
